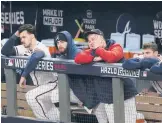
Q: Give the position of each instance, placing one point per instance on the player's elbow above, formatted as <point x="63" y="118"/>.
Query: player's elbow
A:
<point x="127" y="64"/>
<point x="38" y="55"/>
<point x="78" y="60"/>
<point x="83" y="59"/>
<point x="115" y="58"/>
<point x="5" y="52"/>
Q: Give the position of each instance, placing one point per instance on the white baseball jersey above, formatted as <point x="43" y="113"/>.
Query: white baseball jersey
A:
<point x="38" y="77"/>
<point x="157" y="86"/>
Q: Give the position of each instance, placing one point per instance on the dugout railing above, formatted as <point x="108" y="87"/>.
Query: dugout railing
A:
<point x="64" y="67"/>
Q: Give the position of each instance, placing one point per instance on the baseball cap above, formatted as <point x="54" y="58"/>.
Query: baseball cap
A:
<point x="94" y="31"/>
<point x="59" y="37"/>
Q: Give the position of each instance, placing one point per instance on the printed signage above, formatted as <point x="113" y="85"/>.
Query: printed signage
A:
<point x="120" y="72"/>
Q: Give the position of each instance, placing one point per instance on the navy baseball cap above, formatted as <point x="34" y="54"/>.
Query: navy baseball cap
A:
<point x="59" y="37"/>
<point x="94" y="31"/>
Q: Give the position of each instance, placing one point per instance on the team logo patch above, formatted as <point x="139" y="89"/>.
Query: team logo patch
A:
<point x="57" y="38"/>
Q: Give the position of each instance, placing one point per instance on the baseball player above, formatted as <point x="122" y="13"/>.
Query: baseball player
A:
<point x="67" y="50"/>
<point x="149" y="60"/>
<point x="38" y="98"/>
<point x="107" y="51"/>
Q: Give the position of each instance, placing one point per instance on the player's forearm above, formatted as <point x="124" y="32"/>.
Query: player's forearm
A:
<point x="8" y="48"/>
<point x="156" y="68"/>
<point x="133" y="63"/>
<point x="32" y="63"/>
<point x="148" y="62"/>
<point x="110" y="56"/>
<point x="83" y="58"/>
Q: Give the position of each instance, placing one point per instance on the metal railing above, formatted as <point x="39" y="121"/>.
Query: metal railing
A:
<point x="64" y="67"/>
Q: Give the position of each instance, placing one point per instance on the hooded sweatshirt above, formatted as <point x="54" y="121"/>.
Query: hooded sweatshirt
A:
<point x="71" y="50"/>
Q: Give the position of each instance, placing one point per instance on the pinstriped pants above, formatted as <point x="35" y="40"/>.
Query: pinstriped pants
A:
<point x="99" y="110"/>
<point x="130" y="111"/>
<point x="39" y="99"/>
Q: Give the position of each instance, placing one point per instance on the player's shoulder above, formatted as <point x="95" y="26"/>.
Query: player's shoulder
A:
<point x="41" y="46"/>
<point x="44" y="48"/>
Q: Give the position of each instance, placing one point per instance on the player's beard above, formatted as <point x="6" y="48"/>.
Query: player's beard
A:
<point x="64" y="52"/>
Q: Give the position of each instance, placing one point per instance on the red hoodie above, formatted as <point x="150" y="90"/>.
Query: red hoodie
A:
<point x="112" y="54"/>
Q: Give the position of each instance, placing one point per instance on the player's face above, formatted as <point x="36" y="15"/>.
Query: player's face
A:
<point x="62" y="45"/>
<point x="149" y="53"/>
<point x="93" y="39"/>
<point x="26" y="39"/>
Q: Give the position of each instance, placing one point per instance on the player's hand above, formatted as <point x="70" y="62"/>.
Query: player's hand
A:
<point x="138" y="56"/>
<point x="97" y="58"/>
<point x="17" y="33"/>
<point x="22" y="82"/>
<point x="96" y="45"/>
<point x="97" y="42"/>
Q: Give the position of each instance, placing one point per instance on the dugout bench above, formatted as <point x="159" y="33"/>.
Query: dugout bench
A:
<point x="150" y="106"/>
<point x="23" y="109"/>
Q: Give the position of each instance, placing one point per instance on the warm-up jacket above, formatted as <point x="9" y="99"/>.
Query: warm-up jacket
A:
<point x="112" y="53"/>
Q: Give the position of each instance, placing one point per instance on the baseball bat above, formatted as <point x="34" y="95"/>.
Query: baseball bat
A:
<point x="78" y="33"/>
<point x="77" y="22"/>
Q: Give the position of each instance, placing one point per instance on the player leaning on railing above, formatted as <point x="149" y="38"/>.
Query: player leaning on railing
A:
<point x="101" y="98"/>
<point x="39" y="101"/>
<point x="149" y="60"/>
<point x="66" y="50"/>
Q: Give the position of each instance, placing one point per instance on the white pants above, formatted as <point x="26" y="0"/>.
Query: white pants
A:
<point x="99" y="111"/>
<point x="54" y="114"/>
<point x="42" y="99"/>
<point x="39" y="99"/>
<point x="130" y="111"/>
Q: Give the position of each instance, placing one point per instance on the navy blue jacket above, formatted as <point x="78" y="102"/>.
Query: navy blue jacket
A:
<point x="136" y="63"/>
<point x="157" y="68"/>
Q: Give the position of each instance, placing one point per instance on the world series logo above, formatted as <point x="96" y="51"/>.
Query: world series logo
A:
<point x="9" y="62"/>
